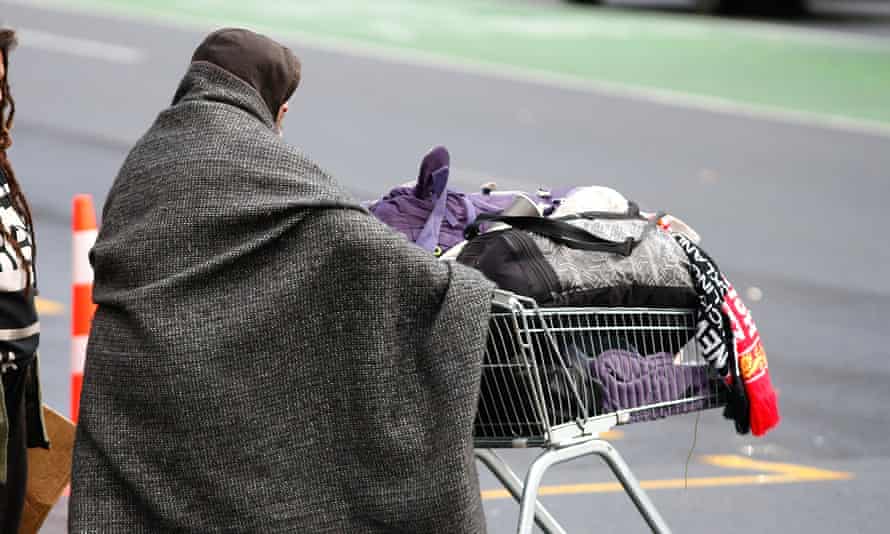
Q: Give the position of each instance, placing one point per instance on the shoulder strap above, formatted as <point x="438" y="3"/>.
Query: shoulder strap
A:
<point x="568" y="234"/>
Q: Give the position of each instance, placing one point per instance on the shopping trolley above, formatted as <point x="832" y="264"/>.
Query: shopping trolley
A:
<point x="556" y="378"/>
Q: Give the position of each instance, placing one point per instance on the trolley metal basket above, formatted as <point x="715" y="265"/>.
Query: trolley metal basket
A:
<point x="556" y="378"/>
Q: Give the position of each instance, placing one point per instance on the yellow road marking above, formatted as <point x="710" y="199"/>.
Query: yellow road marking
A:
<point x="612" y="435"/>
<point x="48" y="307"/>
<point x="775" y="473"/>
<point x="798" y="472"/>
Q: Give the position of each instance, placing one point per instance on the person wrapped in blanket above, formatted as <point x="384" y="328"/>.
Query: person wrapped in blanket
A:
<point x="266" y="356"/>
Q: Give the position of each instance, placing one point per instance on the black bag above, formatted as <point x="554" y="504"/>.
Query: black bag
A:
<point x="586" y="259"/>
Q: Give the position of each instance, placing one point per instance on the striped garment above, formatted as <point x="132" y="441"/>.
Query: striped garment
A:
<point x="19" y="327"/>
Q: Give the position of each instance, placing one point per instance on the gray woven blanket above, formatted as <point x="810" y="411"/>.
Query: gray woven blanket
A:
<point x="266" y="356"/>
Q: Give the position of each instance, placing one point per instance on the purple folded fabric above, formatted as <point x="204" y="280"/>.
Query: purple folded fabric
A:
<point x="433" y="216"/>
<point x="430" y="214"/>
<point x="408" y="214"/>
<point x="627" y="380"/>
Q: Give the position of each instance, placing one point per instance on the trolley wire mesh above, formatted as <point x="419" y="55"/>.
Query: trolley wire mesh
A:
<point x="546" y="368"/>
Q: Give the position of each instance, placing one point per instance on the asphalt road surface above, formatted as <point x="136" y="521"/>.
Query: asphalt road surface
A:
<point x="791" y="205"/>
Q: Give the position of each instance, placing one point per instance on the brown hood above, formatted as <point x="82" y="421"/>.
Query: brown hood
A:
<point x="270" y="68"/>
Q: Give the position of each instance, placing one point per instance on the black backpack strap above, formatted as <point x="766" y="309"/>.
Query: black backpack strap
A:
<point x="568" y="234"/>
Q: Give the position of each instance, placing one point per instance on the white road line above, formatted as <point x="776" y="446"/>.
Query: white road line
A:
<point x="51" y="42"/>
<point x="391" y="54"/>
<point x="665" y="97"/>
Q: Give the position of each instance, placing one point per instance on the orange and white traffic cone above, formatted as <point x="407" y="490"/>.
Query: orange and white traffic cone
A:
<point x="82" y="307"/>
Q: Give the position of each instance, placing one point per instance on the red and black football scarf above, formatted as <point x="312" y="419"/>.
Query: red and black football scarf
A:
<point x="711" y="287"/>
<point x="726" y="328"/>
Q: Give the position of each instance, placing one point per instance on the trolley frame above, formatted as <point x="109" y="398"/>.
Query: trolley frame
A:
<point x="529" y="335"/>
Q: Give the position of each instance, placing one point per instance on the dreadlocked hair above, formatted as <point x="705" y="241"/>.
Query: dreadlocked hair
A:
<point x="8" y="41"/>
<point x="16" y="196"/>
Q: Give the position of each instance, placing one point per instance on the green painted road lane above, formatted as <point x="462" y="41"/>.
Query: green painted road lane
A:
<point x="760" y="65"/>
